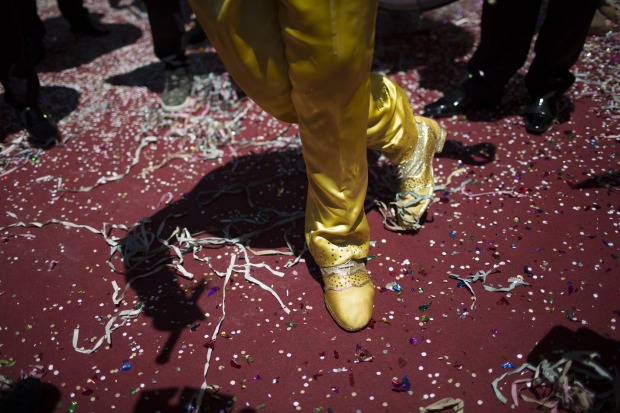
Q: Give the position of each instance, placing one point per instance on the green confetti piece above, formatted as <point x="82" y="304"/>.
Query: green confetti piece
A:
<point x="7" y="362"/>
<point x="72" y="407"/>
<point x="425" y="307"/>
<point x="425" y="319"/>
<point x="290" y="324"/>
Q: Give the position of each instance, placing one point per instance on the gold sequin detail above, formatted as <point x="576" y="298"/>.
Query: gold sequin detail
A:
<point x="416" y="173"/>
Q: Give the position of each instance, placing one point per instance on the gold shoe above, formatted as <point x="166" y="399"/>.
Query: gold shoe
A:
<point x="349" y="294"/>
<point x="416" y="175"/>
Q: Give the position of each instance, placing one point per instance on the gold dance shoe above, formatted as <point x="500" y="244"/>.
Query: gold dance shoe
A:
<point x="349" y="294"/>
<point x="415" y="175"/>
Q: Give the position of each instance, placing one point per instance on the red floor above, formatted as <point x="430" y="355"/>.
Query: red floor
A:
<point x="541" y="215"/>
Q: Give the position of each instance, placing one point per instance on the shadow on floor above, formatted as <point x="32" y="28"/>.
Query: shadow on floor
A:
<point x="65" y="49"/>
<point x="581" y="346"/>
<point x="151" y="76"/>
<point x="164" y="401"/>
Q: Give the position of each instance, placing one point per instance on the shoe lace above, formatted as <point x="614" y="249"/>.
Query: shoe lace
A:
<point x="175" y="81"/>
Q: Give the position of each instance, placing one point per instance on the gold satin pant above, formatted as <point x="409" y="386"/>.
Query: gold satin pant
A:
<point x="309" y="62"/>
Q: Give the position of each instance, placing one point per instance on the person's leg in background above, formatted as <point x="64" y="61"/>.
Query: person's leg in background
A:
<point x="79" y="18"/>
<point x="310" y="64"/>
<point x="557" y="50"/>
<point x="506" y="31"/>
<point x="167" y="30"/>
<point x="18" y="75"/>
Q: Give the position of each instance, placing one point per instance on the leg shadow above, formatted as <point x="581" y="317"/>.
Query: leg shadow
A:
<point x="255" y="200"/>
<point x="65" y="49"/>
<point x="592" y="356"/>
<point x="170" y="400"/>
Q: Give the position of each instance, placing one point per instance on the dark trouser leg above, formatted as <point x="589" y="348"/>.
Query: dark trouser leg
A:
<point x="166" y="20"/>
<point x="72" y="10"/>
<point x="558" y="46"/>
<point x="507" y="28"/>
<point x="18" y="75"/>
<point x="17" y="72"/>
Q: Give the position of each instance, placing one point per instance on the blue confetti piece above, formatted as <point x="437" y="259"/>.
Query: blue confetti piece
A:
<point x="394" y="286"/>
<point x="508" y="366"/>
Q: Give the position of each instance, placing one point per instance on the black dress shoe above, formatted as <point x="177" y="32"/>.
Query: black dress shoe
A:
<point x="90" y="26"/>
<point x="541" y="114"/>
<point x="478" y="154"/>
<point x="40" y="125"/>
<point x="451" y="104"/>
<point x="24" y="398"/>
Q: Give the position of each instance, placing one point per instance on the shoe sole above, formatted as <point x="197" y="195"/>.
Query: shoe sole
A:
<point x="176" y="108"/>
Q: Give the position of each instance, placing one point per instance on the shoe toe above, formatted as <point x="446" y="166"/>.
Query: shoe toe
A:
<point x="351" y="308"/>
<point x="538" y="122"/>
<point x="541" y="114"/>
<point x="451" y="104"/>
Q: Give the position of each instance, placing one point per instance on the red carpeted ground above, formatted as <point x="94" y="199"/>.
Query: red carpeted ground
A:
<point x="206" y="208"/>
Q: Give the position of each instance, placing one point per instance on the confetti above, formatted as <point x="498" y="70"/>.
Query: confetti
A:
<point x="362" y="355"/>
<point x="208" y="181"/>
<point x="72" y="407"/>
<point x="401" y="385"/>
<point x="393" y="286"/>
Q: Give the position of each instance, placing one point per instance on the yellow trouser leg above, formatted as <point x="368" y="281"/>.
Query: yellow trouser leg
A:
<point x="391" y="126"/>
<point x="309" y="63"/>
